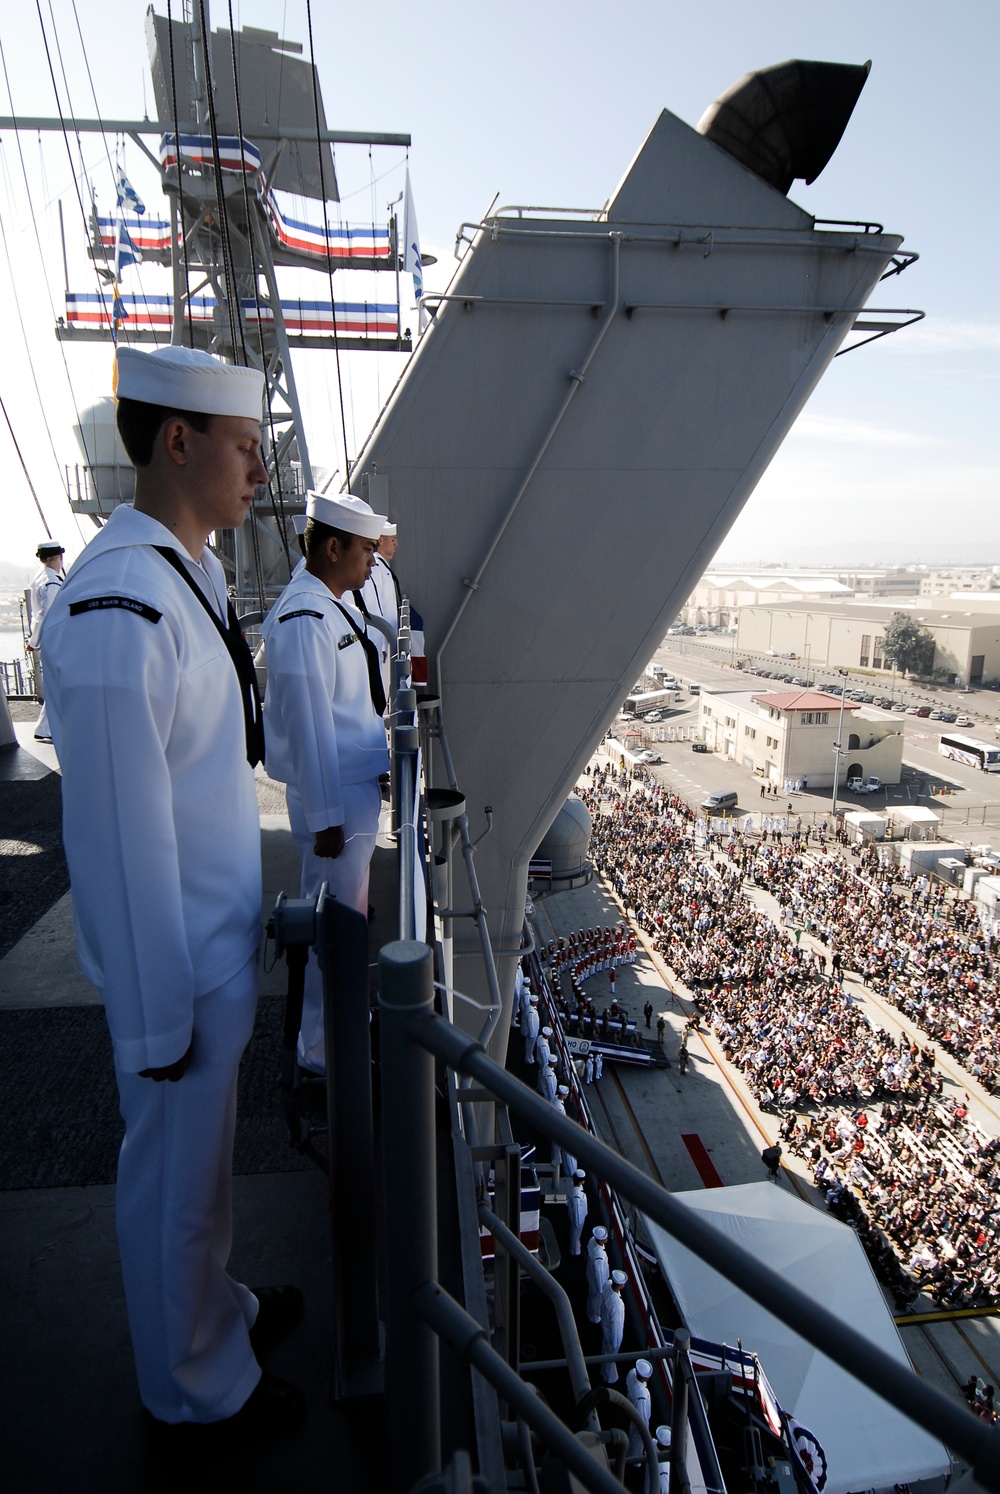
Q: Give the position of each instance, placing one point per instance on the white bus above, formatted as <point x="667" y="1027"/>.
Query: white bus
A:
<point x="974" y="754"/>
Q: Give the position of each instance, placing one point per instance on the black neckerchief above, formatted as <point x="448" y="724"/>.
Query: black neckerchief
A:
<point x="240" y="654"/>
<point x="375" y="687"/>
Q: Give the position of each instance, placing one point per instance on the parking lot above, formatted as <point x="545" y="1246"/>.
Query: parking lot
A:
<point x="967" y="799"/>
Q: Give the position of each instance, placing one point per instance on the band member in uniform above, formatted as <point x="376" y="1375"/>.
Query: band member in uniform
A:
<point x="323" y="715"/>
<point x="156" y="722"/>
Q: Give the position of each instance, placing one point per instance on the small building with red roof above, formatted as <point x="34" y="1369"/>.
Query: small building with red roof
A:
<point x="788" y="737"/>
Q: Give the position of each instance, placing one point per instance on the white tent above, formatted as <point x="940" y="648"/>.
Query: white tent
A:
<point x="868" y="1444"/>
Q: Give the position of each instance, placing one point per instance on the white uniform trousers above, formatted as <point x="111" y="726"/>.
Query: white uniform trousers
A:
<point x="346" y="877"/>
<point x="189" y="1320"/>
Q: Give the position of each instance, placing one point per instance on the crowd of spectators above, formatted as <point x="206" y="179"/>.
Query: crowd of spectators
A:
<point x="864" y="1106"/>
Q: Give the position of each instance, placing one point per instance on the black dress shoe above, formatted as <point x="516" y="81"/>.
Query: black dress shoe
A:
<point x="280" y="1308"/>
<point x="273" y="1409"/>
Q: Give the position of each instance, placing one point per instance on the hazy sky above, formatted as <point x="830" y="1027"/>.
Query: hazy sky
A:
<point x="546" y="103"/>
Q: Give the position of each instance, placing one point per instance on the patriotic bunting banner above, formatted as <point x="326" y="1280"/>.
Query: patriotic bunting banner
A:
<point x="334" y="242"/>
<point x="354" y="318"/>
<point x="234" y="154"/>
<point x="144" y="234"/>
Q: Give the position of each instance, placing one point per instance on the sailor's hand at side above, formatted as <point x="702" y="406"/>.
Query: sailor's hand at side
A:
<point x="172" y="1072"/>
<point x="329" y="842"/>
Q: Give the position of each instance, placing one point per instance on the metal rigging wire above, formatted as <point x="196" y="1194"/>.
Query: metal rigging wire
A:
<point x="17" y="302"/>
<point x="66" y="141"/>
<point x="24" y="468"/>
<point x="329" y="249"/>
<point x="188" y="320"/>
<point x="97" y="113"/>
<point x="235" y="310"/>
<point x="278" y="509"/>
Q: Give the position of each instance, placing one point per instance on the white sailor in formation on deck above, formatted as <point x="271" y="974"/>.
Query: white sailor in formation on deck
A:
<point x="323" y="716"/>
<point x="155" y="718"/>
<point x="45" y="584"/>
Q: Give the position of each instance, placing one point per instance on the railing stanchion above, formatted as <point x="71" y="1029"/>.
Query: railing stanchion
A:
<point x="409" y="1180"/>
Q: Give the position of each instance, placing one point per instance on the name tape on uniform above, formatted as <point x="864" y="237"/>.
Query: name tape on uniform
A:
<point x="125" y="604"/>
<point x="302" y="612"/>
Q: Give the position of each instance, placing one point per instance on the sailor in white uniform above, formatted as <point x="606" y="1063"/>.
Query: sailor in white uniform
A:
<point x="380" y="598"/>
<point x="548" y="1083"/>
<point x="663" y="1440"/>
<point x="597" y="1272"/>
<point x="157" y="727"/>
<point x="612" y="1324"/>
<point x="542" y="1050"/>
<point x="529" y="1027"/>
<point x="637" y="1390"/>
<point x="577" y="1206"/>
<point x="45" y="586"/>
<point x="323" y="716"/>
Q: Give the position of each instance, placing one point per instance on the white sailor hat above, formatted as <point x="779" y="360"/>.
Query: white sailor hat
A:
<point x="299" y="523"/>
<point x="643" y="1369"/>
<point x="184" y="378"/>
<point x="563" y="1088"/>
<point x="618" y="1278"/>
<point x="345" y="512"/>
<point x="553" y="1060"/>
<point x="600" y="1233"/>
<point x="533" y="998"/>
<point x="389" y="530"/>
<point x="546" y="1032"/>
<point x="579" y="1175"/>
<point x="48" y="548"/>
<point x="663" y="1435"/>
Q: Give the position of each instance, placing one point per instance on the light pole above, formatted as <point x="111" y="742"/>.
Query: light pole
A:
<point x="838" y="746"/>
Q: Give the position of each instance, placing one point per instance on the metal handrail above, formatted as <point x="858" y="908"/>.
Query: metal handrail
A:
<point x="962" y="1432"/>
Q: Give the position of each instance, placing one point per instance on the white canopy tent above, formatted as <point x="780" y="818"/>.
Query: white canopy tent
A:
<point x="868" y="1444"/>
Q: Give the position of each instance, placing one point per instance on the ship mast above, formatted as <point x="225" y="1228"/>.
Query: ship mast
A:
<point x="220" y="156"/>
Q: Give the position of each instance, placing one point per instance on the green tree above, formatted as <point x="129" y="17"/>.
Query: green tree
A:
<point x="909" y="645"/>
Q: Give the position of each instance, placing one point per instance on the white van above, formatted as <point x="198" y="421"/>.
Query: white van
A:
<point x="720" y="803"/>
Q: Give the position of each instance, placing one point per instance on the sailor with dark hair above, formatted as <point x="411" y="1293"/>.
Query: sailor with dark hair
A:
<point x="323" y="714"/>
<point x="45" y="586"/>
<point x="157" y="726"/>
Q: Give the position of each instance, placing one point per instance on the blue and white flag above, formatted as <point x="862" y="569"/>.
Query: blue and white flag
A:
<point x="126" y="252"/>
<point x="412" y="263"/>
<point x="128" y="197"/>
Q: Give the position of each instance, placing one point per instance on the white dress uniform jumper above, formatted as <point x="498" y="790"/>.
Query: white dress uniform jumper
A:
<point x="326" y="743"/>
<point x="152" y="727"/>
<point x="44" y="589"/>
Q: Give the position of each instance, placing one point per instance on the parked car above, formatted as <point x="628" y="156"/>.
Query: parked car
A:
<point x="653" y="717"/>
<point x="949" y="716"/>
<point x="936" y="716"/>
<point x="923" y="711"/>
<point x="912" y="710"/>
<point x="644" y="755"/>
<point x="966" y="721"/>
<point x="870" y="785"/>
<point x="699" y="746"/>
